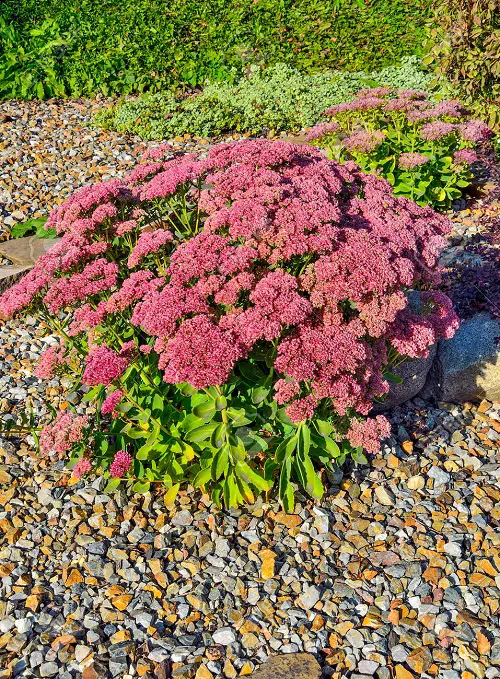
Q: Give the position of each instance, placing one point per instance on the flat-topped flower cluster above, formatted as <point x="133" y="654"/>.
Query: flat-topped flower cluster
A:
<point x="236" y="315"/>
<point x="423" y="148"/>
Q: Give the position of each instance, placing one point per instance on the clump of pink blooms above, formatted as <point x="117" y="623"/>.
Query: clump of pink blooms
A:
<point x="111" y="402"/>
<point x="322" y="129"/>
<point x="363" y="141"/>
<point x="121" y="464"/>
<point x="51" y="359"/>
<point x="466" y="156"/>
<point x="82" y="467"/>
<point x="103" y="366"/>
<point x="409" y="161"/>
<point x="434" y="120"/>
<point x="60" y="436"/>
<point x="292" y="250"/>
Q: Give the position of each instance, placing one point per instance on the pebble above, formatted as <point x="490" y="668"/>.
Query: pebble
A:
<point x="224" y="636"/>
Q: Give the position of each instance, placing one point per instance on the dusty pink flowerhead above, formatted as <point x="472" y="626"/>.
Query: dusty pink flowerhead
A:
<point x="103" y="366"/>
<point x="368" y="433"/>
<point x="82" y="467"/>
<point x="60" y="436"/>
<point x="465" y="156"/>
<point x="408" y="161"/>
<point x="437" y="130"/>
<point x="120" y="465"/>
<point x="321" y="130"/>
<point x="51" y="359"/>
<point x="475" y="131"/>
<point x="363" y="141"/>
<point x="111" y="401"/>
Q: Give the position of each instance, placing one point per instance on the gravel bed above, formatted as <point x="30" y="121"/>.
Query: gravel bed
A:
<point x="47" y="150"/>
<point x="395" y="574"/>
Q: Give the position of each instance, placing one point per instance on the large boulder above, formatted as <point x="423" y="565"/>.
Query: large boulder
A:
<point x="289" y="666"/>
<point x="413" y="372"/>
<point x="467" y="366"/>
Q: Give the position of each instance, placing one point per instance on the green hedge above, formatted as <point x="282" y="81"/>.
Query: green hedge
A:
<point x="112" y="46"/>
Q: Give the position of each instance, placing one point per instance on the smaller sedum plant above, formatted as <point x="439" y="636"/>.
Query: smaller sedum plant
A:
<point x="423" y="148"/>
<point x="231" y="319"/>
<point x="277" y="99"/>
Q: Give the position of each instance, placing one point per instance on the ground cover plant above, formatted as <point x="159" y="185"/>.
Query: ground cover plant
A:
<point x="233" y="318"/>
<point x="157" y="44"/>
<point x="276" y="99"/>
<point x="422" y="147"/>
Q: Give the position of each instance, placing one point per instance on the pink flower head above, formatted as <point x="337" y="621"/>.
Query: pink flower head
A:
<point x="408" y="161"/>
<point x="200" y="353"/>
<point x="363" y="141"/>
<point x="475" y="131"/>
<point x="121" y="228"/>
<point x="437" y="130"/>
<point x="368" y="433"/>
<point x="466" y="156"/>
<point x="103" y="366"/>
<point x="82" y="467"/>
<point x="148" y="243"/>
<point x="120" y="465"/>
<point x="60" y="436"/>
<point x="321" y="130"/>
<point x="51" y="359"/>
<point x="111" y="401"/>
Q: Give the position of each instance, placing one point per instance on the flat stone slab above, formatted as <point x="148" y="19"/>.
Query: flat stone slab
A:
<point x="25" y="251"/>
<point x="289" y="666"/>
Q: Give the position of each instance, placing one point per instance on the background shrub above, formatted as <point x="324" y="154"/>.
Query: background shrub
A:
<point x="463" y="48"/>
<point x="279" y="98"/>
<point x="117" y="47"/>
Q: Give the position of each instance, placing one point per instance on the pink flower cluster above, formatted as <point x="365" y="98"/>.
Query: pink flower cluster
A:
<point x="82" y="467"/>
<point x="408" y="161"/>
<point x="363" y="141"/>
<point x="60" y="436"/>
<point x="293" y="249"/>
<point x="103" y="366"/>
<point x="417" y="109"/>
<point x="148" y="243"/>
<point x="322" y="129"/>
<point x="368" y="433"/>
<point x="111" y="401"/>
<point x="466" y="156"/>
<point x="51" y="359"/>
<point x="120" y="465"/>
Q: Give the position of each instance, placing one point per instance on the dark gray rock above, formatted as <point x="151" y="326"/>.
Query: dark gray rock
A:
<point x="414" y="374"/>
<point x="467" y="366"/>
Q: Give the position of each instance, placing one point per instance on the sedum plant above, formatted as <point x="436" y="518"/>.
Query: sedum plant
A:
<point x="423" y="148"/>
<point x="232" y="318"/>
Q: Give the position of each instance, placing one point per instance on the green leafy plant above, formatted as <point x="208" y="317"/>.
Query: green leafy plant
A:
<point x="276" y="99"/>
<point x="463" y="49"/>
<point x="30" y="63"/>
<point x="32" y="227"/>
<point x="154" y="45"/>
<point x="423" y="148"/>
